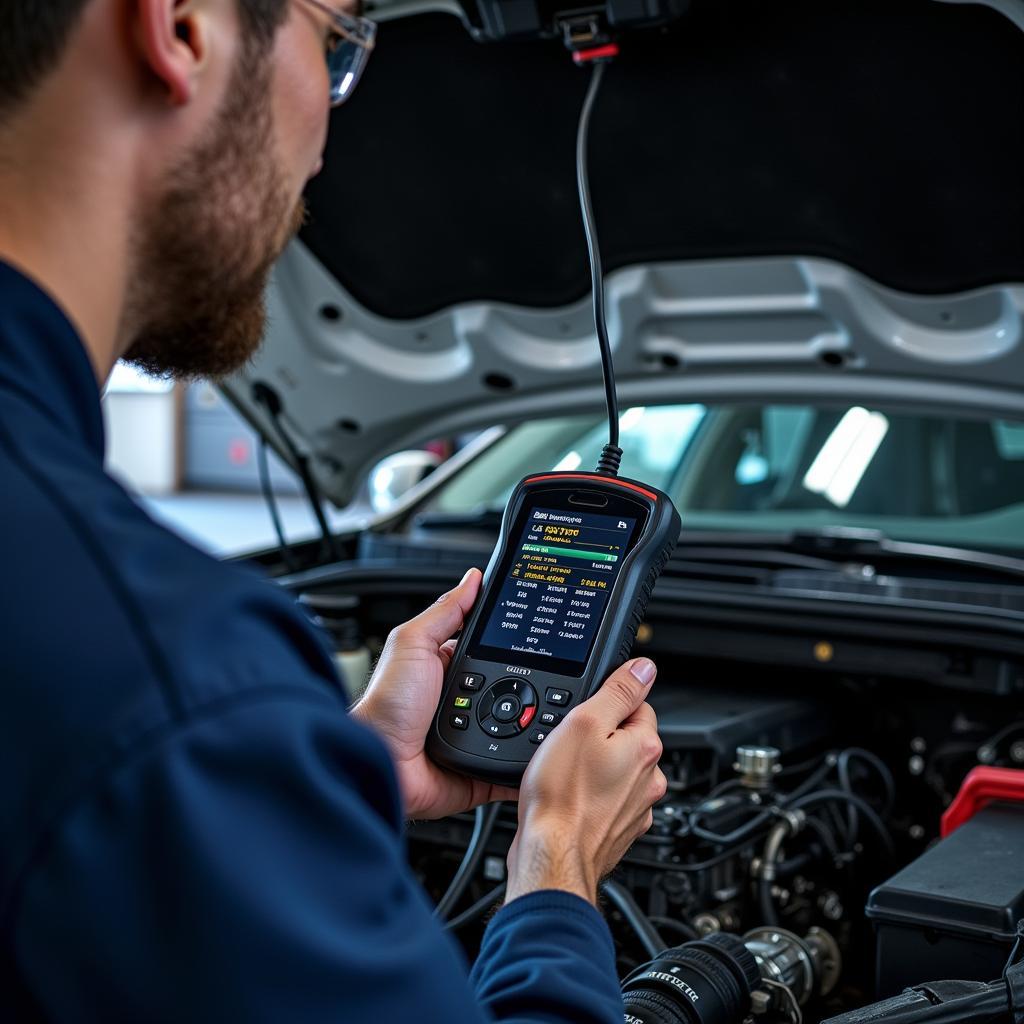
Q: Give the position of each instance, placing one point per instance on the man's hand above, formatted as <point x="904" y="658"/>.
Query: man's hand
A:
<point x="401" y="700"/>
<point x="588" y="792"/>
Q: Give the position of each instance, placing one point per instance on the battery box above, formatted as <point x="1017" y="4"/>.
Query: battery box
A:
<point x="953" y="912"/>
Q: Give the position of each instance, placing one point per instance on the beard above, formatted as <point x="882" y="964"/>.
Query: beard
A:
<point x="206" y="245"/>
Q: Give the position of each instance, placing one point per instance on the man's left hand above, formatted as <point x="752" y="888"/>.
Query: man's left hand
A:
<point x="401" y="700"/>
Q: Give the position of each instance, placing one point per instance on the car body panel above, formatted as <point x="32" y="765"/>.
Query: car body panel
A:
<point x="743" y="166"/>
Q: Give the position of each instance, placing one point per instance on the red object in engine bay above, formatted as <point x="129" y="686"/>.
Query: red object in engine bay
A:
<point x="980" y="787"/>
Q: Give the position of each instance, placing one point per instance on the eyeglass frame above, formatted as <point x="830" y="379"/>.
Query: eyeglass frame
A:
<point x="356" y="30"/>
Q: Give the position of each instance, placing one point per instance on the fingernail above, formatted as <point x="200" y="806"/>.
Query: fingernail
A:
<point x="645" y="670"/>
<point x="465" y="579"/>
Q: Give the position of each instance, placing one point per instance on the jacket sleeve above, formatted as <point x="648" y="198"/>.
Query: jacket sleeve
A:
<point x="248" y="865"/>
<point x="548" y="957"/>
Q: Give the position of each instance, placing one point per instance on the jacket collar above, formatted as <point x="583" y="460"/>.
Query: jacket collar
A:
<point x="43" y="358"/>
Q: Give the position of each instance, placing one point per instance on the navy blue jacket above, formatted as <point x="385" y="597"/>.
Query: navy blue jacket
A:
<point x="191" y="826"/>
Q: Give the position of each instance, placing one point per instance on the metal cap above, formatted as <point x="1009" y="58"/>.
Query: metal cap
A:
<point x="757" y="765"/>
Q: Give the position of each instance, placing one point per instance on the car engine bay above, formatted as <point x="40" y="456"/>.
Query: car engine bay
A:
<point x="799" y="844"/>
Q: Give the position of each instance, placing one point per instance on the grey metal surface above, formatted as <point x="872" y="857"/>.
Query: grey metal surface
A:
<point x="358" y="386"/>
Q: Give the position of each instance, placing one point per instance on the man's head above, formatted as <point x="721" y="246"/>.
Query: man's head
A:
<point x="34" y="33"/>
<point x="221" y="107"/>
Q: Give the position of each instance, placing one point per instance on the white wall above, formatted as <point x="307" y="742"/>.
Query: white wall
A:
<point x="142" y="424"/>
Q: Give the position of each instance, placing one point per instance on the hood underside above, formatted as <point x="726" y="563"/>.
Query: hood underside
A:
<point x="793" y="199"/>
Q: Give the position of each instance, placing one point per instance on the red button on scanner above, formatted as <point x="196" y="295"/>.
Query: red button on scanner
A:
<point x="527" y="717"/>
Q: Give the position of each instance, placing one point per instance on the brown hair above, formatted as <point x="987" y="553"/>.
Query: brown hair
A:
<point x="33" y="34"/>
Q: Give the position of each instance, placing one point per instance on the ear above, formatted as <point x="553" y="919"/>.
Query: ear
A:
<point x="171" y="35"/>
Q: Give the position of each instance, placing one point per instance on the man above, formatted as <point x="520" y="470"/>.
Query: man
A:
<point x="192" y="828"/>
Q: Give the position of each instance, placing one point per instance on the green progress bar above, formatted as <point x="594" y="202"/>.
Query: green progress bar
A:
<point x="590" y="556"/>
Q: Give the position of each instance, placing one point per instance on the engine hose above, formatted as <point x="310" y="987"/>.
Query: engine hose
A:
<point x="846" y="781"/>
<point x="687" y="931"/>
<point x="624" y="903"/>
<point x="483" y="825"/>
<point x="824" y="796"/>
<point x="478" y="909"/>
<point x="789" y="825"/>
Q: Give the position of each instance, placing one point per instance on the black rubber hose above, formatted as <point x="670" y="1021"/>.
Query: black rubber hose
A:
<point x="846" y="781"/>
<point x="478" y="909"/>
<point x="687" y="931"/>
<point x="747" y="831"/>
<point x="641" y="924"/>
<point x="824" y="833"/>
<point x="824" y="796"/>
<point x="484" y="819"/>
<point x="813" y="780"/>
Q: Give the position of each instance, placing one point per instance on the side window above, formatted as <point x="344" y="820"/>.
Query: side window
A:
<point x="1009" y="436"/>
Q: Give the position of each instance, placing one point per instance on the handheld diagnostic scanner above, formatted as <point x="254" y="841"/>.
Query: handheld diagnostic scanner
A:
<point x="563" y="595"/>
<point x="566" y="587"/>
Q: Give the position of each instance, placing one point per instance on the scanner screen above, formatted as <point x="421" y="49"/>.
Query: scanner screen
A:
<point x="557" y="584"/>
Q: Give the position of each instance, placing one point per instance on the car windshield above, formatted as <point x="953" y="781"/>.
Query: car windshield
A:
<point x="934" y="479"/>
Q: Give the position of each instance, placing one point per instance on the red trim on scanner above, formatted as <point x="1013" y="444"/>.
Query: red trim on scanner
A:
<point x="603" y="479"/>
<point x="981" y="787"/>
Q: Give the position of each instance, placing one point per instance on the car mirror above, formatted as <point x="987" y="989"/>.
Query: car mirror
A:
<point x="397" y="474"/>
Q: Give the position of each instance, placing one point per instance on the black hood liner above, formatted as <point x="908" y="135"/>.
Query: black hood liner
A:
<point x="885" y="134"/>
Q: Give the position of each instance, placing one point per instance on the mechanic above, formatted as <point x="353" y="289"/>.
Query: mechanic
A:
<point x="192" y="826"/>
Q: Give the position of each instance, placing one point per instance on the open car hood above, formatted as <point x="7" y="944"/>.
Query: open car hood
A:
<point x="794" y="199"/>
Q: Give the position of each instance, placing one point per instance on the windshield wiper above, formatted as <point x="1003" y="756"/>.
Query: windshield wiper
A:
<point x="823" y="548"/>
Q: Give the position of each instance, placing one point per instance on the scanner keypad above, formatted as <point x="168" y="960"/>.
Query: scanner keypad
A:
<point x="507" y="707"/>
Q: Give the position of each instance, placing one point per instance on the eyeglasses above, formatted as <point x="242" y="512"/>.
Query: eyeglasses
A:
<point x="349" y="44"/>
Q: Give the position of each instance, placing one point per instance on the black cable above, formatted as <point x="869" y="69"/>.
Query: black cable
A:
<point x="846" y="781"/>
<point x="270" y="400"/>
<point x="478" y="909"/>
<point x="1001" y="736"/>
<point x="484" y="819"/>
<point x="283" y="547"/>
<point x="624" y="903"/>
<point x="611" y="456"/>
<point x="737" y="836"/>
<point x="725" y="787"/>
<point x="824" y="834"/>
<point x="803" y="766"/>
<point x="813" y="780"/>
<point x="693" y="868"/>
<point x="824" y="796"/>
<point x="687" y="931"/>
<point x="1017" y="951"/>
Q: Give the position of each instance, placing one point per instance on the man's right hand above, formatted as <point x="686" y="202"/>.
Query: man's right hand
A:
<point x="588" y="792"/>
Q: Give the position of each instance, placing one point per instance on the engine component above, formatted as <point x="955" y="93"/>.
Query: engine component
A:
<point x="953" y="911"/>
<point x="757" y="766"/>
<point x="950" y="1002"/>
<point x="517" y="19"/>
<point x="807" y="967"/>
<point x="981" y="787"/>
<point x="722" y="978"/>
<point x="719" y="721"/>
